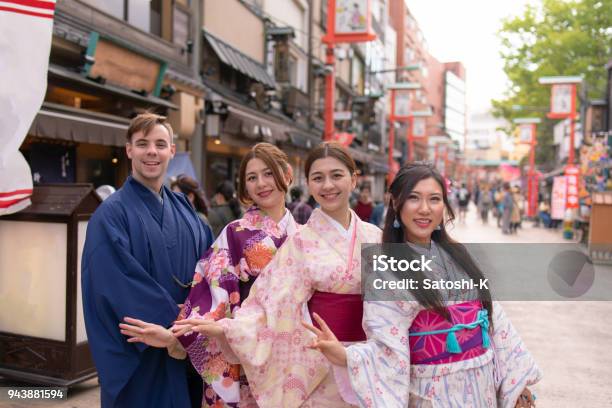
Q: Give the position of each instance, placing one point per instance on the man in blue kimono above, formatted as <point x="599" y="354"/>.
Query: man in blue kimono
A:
<point x="141" y="249"/>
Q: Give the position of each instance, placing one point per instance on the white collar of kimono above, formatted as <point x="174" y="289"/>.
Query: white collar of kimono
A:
<point x="344" y="232"/>
<point x="284" y="222"/>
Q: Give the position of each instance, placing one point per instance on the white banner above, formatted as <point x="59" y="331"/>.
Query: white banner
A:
<point x="351" y="16"/>
<point x="526" y="133"/>
<point x="25" y="43"/>
<point x="561" y="100"/>
<point x="418" y="127"/>
<point x="402" y="104"/>
<point x="559" y="195"/>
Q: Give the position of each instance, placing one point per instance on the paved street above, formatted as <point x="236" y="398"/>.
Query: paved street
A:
<point x="570" y="340"/>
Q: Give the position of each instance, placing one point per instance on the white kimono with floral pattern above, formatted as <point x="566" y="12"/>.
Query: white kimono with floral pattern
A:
<point x="382" y="376"/>
<point x="266" y="334"/>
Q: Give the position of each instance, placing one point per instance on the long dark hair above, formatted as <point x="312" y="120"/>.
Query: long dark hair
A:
<point x="188" y="185"/>
<point x="402" y="186"/>
<point x="226" y="189"/>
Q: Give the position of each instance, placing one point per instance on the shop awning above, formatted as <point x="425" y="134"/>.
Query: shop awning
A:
<point x="239" y="61"/>
<point x="181" y="164"/>
<point x="79" y="128"/>
<point x="253" y="126"/>
<point x="303" y="140"/>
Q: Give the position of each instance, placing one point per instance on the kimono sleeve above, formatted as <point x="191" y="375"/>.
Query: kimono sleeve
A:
<point x="214" y="294"/>
<point x="267" y="336"/>
<point x="379" y="369"/>
<point x="515" y="367"/>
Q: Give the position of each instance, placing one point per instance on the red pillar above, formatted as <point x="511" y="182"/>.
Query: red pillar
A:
<point x="391" y="134"/>
<point x="330" y="84"/>
<point x="532" y="195"/>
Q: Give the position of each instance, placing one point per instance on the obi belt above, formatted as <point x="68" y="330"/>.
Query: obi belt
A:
<point x="342" y="313"/>
<point x="435" y="340"/>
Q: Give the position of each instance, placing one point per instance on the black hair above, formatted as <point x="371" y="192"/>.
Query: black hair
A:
<point x="296" y="193"/>
<point x="226" y="189"/>
<point x="402" y="186"/>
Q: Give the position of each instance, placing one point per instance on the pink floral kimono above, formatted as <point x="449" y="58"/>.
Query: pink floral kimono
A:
<point x="228" y="269"/>
<point x="266" y="334"/>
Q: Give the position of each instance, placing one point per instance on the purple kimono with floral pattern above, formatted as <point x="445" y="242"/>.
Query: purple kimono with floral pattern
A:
<point x="228" y="269"/>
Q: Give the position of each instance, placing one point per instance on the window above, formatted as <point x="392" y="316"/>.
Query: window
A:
<point x="180" y="27"/>
<point x="323" y="21"/>
<point x="293" y="70"/>
<point x="139" y="14"/>
<point x="115" y="8"/>
<point x="147" y="15"/>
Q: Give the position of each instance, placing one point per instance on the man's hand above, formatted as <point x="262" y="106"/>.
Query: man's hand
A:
<point x="150" y="334"/>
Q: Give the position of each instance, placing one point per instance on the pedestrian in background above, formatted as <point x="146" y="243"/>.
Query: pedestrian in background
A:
<point x="507" y="207"/>
<point x="191" y="188"/>
<point x="364" y="206"/>
<point x="485" y="201"/>
<point x="517" y="210"/>
<point x="380" y="211"/>
<point x="463" y="199"/>
<point x="300" y="210"/>
<point x="225" y="207"/>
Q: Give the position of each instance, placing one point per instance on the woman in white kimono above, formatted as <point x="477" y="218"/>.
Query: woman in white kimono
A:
<point x="446" y="348"/>
<point x="317" y="270"/>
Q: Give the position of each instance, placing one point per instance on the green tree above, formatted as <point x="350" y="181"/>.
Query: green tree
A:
<point x="555" y="37"/>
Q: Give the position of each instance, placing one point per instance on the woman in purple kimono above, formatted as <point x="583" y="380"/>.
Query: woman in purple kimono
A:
<point x="439" y="348"/>
<point x="224" y="275"/>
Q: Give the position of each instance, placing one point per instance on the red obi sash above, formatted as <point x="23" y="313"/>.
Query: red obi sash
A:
<point x="342" y="313"/>
<point x="466" y="342"/>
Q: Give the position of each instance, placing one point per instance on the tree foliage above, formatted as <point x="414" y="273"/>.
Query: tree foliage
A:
<point x="556" y="37"/>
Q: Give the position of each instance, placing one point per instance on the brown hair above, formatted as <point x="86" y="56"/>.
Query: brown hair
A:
<point x="330" y="149"/>
<point x="189" y="185"/>
<point x="145" y="122"/>
<point x="277" y="162"/>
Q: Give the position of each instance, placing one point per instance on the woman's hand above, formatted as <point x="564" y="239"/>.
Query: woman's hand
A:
<point x="150" y="334"/>
<point x="526" y="399"/>
<point x="326" y="342"/>
<point x="206" y="327"/>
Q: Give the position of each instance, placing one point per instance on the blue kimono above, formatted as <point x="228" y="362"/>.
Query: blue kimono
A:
<point x="137" y="250"/>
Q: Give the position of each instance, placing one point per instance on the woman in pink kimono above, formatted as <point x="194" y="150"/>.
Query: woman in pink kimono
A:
<point x="446" y="348"/>
<point x="317" y="270"/>
<point x="224" y="275"/>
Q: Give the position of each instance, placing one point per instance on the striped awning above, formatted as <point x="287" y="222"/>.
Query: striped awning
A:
<point x="239" y="61"/>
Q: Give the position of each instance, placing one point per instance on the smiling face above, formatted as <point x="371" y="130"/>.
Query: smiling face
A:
<point x="330" y="182"/>
<point x="261" y="185"/>
<point x="422" y="211"/>
<point x="150" y="154"/>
